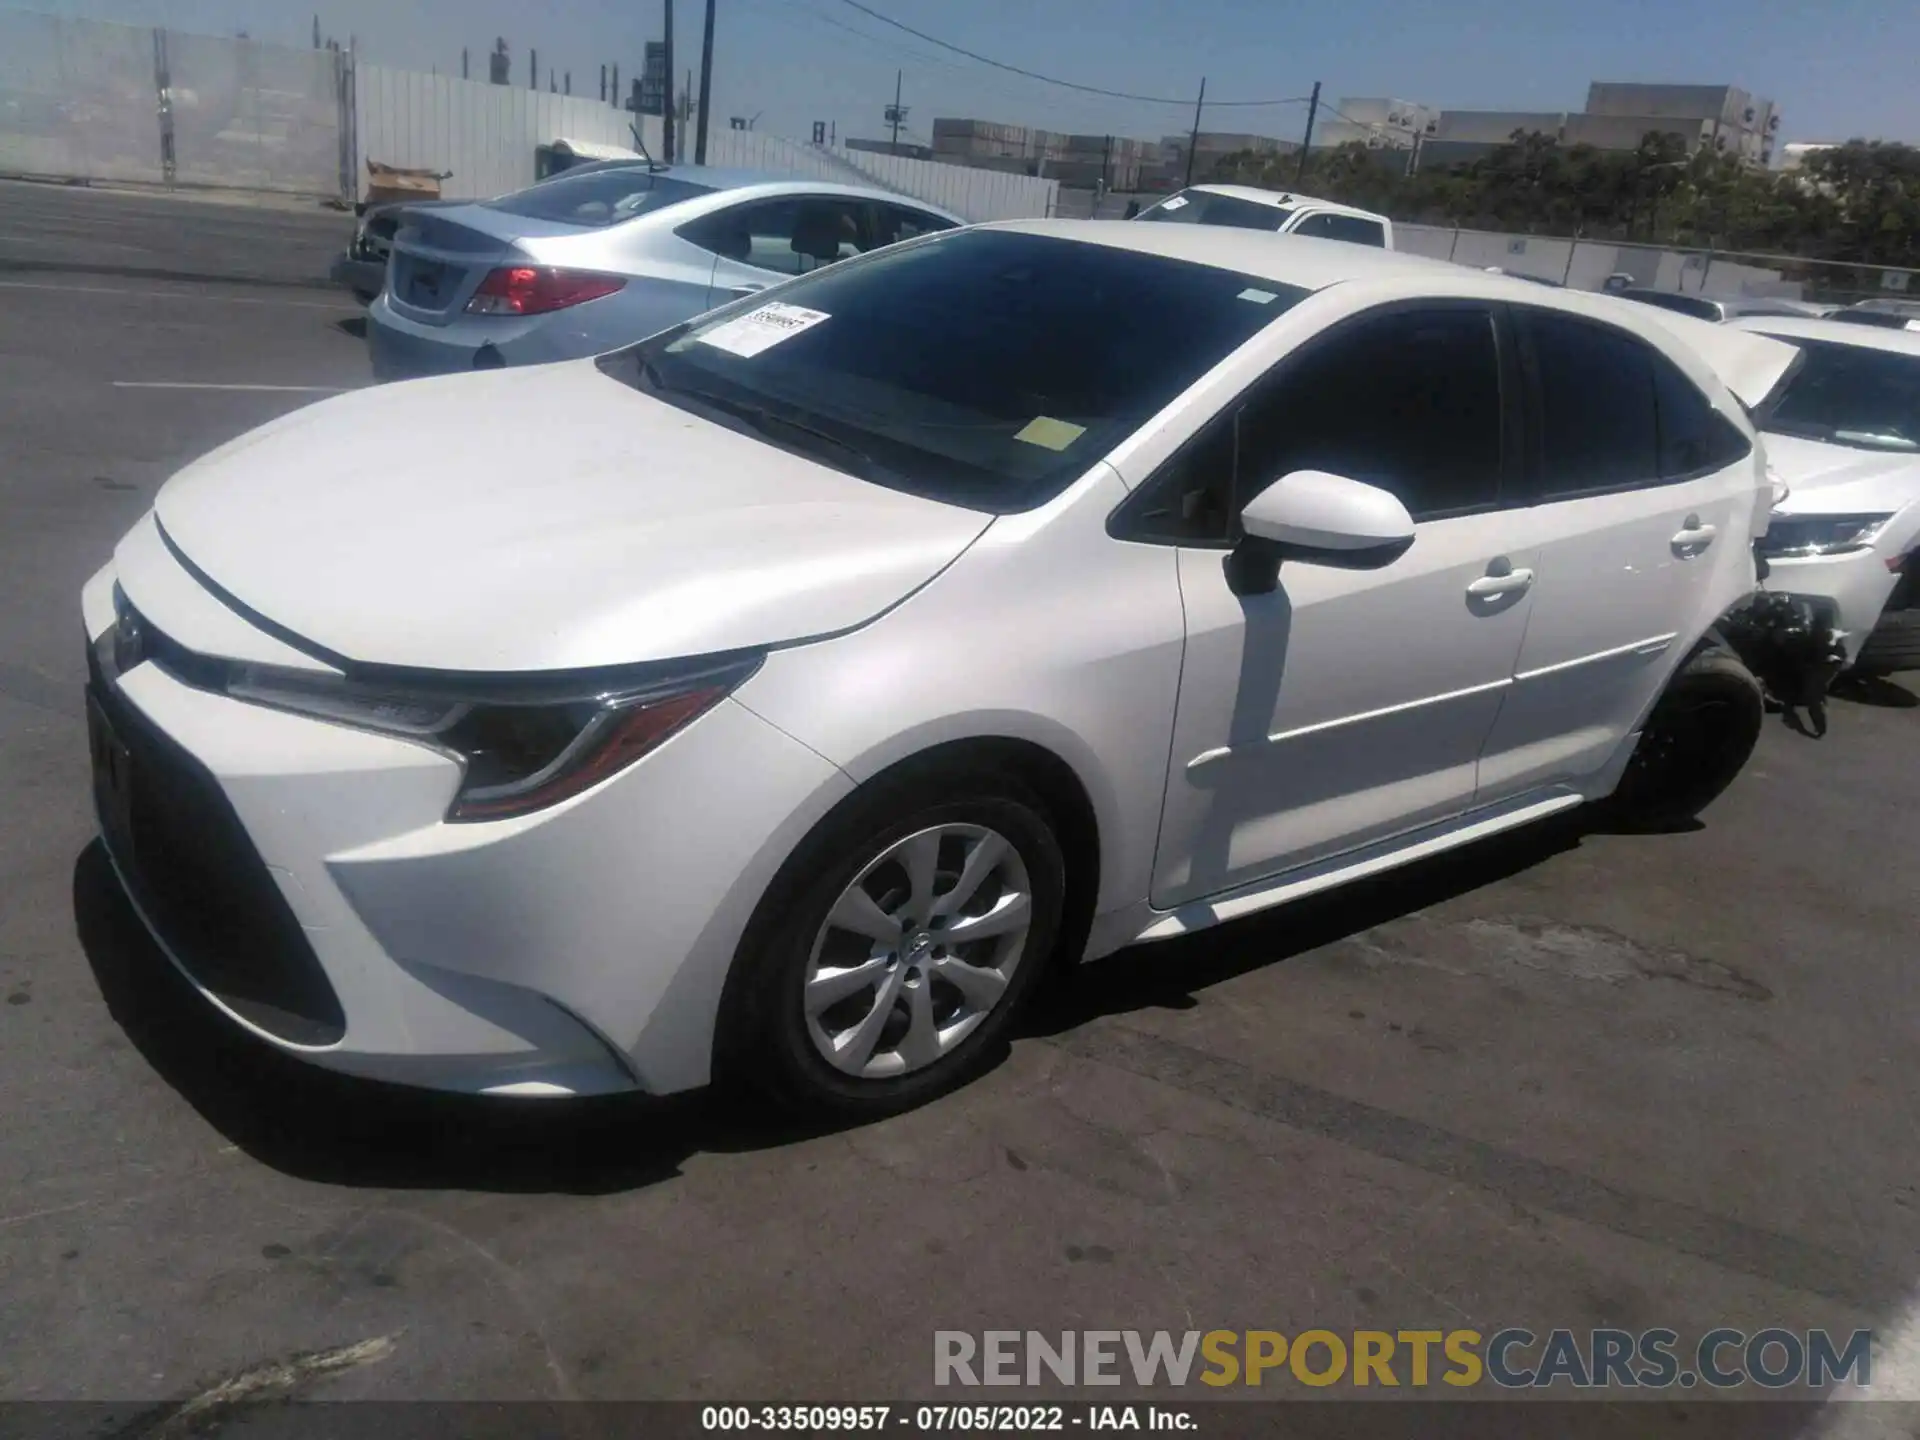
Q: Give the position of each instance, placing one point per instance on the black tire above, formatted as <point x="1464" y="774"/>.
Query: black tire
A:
<point x="762" y="1041"/>
<point x="1697" y="738"/>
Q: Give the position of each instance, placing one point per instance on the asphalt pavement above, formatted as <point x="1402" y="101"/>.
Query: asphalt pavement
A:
<point x="1564" y="1079"/>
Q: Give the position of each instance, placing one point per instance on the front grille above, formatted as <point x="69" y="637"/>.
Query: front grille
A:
<point x="202" y="884"/>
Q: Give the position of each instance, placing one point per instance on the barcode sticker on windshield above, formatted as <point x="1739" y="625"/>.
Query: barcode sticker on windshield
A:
<point x="1052" y="434"/>
<point x="1175" y="203"/>
<point x="1258" y="297"/>
<point x="747" y="335"/>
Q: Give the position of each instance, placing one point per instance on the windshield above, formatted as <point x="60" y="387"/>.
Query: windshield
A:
<point x="599" y="197"/>
<point x="1204" y="207"/>
<point x="1849" y="395"/>
<point x="982" y="368"/>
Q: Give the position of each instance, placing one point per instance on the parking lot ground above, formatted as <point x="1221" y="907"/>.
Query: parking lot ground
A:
<point x="1564" y="1079"/>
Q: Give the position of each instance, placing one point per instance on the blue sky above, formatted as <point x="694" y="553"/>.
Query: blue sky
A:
<point x="1839" y="68"/>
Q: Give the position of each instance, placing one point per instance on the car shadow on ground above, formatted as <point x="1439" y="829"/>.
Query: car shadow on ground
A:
<point x="317" y="1125"/>
<point x="1879" y="691"/>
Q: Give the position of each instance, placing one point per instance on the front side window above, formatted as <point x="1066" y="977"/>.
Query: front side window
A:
<point x="1848" y="395"/>
<point x="1599" y="426"/>
<point x="788" y="236"/>
<point x="983" y="368"/>
<point x="600" y="197"/>
<point x="1205" y="207"/>
<point x="1408" y="400"/>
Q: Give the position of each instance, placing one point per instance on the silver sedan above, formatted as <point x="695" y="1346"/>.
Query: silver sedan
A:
<point x="580" y="264"/>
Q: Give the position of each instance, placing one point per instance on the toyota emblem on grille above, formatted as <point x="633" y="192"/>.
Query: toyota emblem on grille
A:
<point x="129" y="640"/>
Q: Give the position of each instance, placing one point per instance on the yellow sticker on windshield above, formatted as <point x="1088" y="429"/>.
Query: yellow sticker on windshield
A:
<point x="1053" y="434"/>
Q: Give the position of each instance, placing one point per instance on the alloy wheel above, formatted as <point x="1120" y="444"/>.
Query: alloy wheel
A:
<point x="917" y="951"/>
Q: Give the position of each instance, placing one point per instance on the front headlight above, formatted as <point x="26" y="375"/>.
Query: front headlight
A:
<point x="521" y="747"/>
<point x="1791" y="535"/>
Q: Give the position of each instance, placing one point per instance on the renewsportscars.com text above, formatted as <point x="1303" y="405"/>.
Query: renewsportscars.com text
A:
<point x="1511" y="1358"/>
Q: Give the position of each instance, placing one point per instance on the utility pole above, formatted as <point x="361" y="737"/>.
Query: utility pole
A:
<point x="533" y="69"/>
<point x="1306" y="143"/>
<point x="894" y="115"/>
<point x="566" y="82"/>
<point x="1193" y="141"/>
<point x="603" y="84"/>
<point x="464" y="73"/>
<point x="666" y="90"/>
<point x="613" y="90"/>
<point x="1413" y="160"/>
<point x="1106" y="162"/>
<point x="706" y="89"/>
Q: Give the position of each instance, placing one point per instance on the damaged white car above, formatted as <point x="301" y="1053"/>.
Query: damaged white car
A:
<point x="1842" y="433"/>
<point x="834" y="662"/>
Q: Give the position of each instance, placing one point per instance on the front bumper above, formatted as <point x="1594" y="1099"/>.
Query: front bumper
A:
<point x="302" y="877"/>
<point x="1853" y="588"/>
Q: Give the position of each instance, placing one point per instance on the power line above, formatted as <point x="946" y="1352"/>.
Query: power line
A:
<point x="1181" y="101"/>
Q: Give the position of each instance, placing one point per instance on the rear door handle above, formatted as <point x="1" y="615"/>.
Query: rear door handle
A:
<point x="1694" y="537"/>
<point x="1488" y="586"/>
<point x="745" y="290"/>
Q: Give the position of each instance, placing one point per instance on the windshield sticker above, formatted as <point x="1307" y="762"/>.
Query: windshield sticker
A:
<point x="1052" y="434"/>
<point x="1258" y="297"/>
<point x="747" y="335"/>
<point x="1175" y="203"/>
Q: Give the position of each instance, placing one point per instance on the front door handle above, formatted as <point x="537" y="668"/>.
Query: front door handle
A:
<point x="1693" y="537"/>
<point x="1488" y="586"/>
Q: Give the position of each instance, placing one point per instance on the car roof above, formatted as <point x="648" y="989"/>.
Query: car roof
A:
<point x="1835" y="332"/>
<point x="1299" y="260"/>
<point x="1282" y="199"/>
<point x="720" y="179"/>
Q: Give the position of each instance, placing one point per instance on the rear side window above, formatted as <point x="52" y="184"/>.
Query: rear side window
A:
<point x="893" y="223"/>
<point x="1680" y="304"/>
<point x="1351" y="228"/>
<point x="1599" y="428"/>
<point x="599" y="197"/>
<point x="1695" y="438"/>
<point x="1408" y="400"/>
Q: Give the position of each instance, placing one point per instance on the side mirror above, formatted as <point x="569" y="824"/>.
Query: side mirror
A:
<point x="1319" y="519"/>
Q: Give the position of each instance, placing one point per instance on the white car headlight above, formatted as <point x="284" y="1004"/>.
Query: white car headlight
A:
<point x="522" y="745"/>
<point x="1791" y="535"/>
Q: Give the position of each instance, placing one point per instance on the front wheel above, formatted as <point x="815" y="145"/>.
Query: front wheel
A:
<point x="891" y="962"/>
<point x="1696" y="740"/>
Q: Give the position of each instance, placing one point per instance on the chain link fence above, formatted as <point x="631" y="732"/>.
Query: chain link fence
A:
<point x="89" y="100"/>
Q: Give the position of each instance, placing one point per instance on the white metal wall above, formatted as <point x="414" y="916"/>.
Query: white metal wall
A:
<point x="971" y="194"/>
<point x="485" y="134"/>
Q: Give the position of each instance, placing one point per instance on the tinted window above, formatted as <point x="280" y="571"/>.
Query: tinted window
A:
<point x="1598" y="425"/>
<point x="1409" y="401"/>
<point x="788" y="236"/>
<point x="1343" y="227"/>
<point x="896" y="222"/>
<point x="1695" y="438"/>
<point x="984" y="368"/>
<point x="1680" y="304"/>
<point x="1849" y="395"/>
<point x="602" y="197"/>
<point x="1203" y="207"/>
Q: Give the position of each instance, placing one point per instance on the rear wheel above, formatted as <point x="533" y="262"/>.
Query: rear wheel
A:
<point x="1696" y="740"/>
<point x="886" y="968"/>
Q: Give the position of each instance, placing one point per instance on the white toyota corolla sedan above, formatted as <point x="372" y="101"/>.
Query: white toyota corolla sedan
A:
<point x="779" y="695"/>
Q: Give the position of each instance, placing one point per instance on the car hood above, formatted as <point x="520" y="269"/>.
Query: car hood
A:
<point x="1823" y="479"/>
<point x="547" y="518"/>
